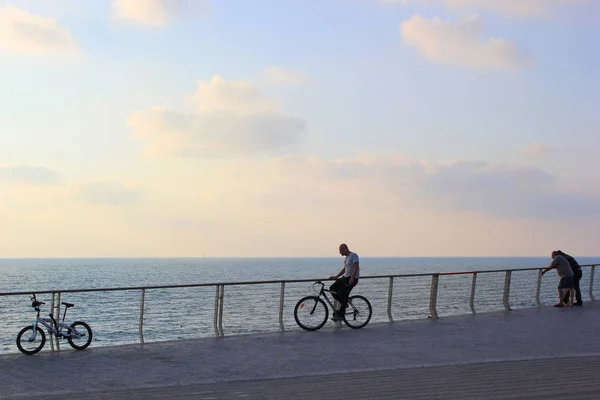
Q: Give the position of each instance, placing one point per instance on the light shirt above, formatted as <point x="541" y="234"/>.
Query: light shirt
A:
<point x="349" y="265"/>
<point x="563" y="268"/>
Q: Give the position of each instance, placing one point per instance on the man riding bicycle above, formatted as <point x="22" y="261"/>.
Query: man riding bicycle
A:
<point x="341" y="288"/>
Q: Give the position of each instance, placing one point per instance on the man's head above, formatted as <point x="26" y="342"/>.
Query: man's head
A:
<point x="556" y="253"/>
<point x="344" y="249"/>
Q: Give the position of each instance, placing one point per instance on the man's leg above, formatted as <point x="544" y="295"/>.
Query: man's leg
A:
<point x="335" y="288"/>
<point x="566" y="294"/>
<point x="568" y="286"/>
<point x="576" y="280"/>
<point x="348" y="291"/>
<point x="344" y="294"/>
<point x="571" y="299"/>
<point x="338" y="288"/>
<point x="561" y="294"/>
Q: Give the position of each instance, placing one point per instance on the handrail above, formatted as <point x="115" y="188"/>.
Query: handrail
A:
<point x="220" y="289"/>
<point x="190" y="285"/>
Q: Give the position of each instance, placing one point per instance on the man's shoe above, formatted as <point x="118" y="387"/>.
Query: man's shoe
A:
<point x="578" y="304"/>
<point x="558" y="305"/>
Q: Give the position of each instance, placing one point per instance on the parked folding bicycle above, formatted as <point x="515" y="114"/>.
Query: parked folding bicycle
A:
<point x="32" y="338"/>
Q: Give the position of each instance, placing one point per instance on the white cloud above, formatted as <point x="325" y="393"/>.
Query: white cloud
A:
<point x="240" y="97"/>
<point x="23" y="32"/>
<point x="535" y="150"/>
<point x="283" y="76"/>
<point x="231" y="118"/>
<point x="155" y="13"/>
<point x="111" y="193"/>
<point x="460" y="45"/>
<point x="396" y="182"/>
<point x="28" y="174"/>
<point x="513" y="7"/>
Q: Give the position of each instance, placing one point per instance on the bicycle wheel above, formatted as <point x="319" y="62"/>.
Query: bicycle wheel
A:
<point x="84" y="333"/>
<point x="30" y="347"/>
<point x="358" y="313"/>
<point x="311" y="313"/>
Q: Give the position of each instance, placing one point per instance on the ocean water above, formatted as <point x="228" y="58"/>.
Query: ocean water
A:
<point x="184" y="313"/>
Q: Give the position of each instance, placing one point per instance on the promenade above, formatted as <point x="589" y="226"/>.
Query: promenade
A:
<point x="543" y="353"/>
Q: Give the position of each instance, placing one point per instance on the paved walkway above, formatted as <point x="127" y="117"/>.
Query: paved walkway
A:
<point x="535" y="354"/>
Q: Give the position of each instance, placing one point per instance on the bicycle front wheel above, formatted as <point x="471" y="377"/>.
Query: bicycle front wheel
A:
<point x="311" y="313"/>
<point x="80" y="335"/>
<point x="358" y="313"/>
<point x="29" y="345"/>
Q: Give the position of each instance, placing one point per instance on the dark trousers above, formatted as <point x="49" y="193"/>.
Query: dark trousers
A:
<point x="342" y="288"/>
<point x="578" y="273"/>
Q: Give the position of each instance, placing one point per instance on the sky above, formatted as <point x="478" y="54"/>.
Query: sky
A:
<point x="282" y="128"/>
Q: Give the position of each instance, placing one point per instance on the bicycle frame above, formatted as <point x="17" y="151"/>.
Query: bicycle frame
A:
<point x="53" y="326"/>
<point x="322" y="293"/>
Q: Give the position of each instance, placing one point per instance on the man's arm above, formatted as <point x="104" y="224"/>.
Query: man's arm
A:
<point x="551" y="266"/>
<point x="354" y="272"/>
<point x="338" y="274"/>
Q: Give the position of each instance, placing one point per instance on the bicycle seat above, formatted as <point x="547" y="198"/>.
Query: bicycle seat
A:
<point x="68" y="305"/>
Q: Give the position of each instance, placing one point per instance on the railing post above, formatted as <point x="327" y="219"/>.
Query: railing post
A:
<point x="57" y="318"/>
<point x="538" y="288"/>
<point x="281" y="297"/>
<point x="141" y="324"/>
<point x="592" y="283"/>
<point x="433" y="296"/>
<point x="505" y="298"/>
<point x="221" y="298"/>
<point x="52" y="311"/>
<point x="216" y="316"/>
<point x="472" y="299"/>
<point x="389" y="305"/>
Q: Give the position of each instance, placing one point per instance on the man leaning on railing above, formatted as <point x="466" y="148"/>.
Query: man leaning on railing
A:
<point x="577" y="274"/>
<point x="563" y="269"/>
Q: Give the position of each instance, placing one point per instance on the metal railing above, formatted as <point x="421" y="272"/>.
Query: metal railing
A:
<point x="220" y="291"/>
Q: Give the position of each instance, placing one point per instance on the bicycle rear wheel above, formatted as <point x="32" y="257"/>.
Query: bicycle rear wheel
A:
<point x="83" y="335"/>
<point x="359" y="311"/>
<point x="30" y="347"/>
<point x="311" y="313"/>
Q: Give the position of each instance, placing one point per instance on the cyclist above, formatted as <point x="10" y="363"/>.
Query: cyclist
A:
<point x="342" y="287"/>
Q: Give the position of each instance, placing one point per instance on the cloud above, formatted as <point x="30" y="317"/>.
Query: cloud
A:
<point x="394" y="182"/>
<point x="516" y="7"/>
<point x="231" y="118"/>
<point x="155" y="13"/>
<point x="535" y="150"/>
<point x="504" y="190"/>
<point x="26" y="33"/>
<point x="110" y="193"/>
<point x="28" y="174"/>
<point x="282" y="76"/>
<point x="460" y="45"/>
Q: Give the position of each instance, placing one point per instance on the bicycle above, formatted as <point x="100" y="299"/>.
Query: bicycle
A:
<point x="313" y="306"/>
<point x="76" y="330"/>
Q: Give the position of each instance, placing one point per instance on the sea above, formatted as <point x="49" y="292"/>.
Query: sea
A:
<point x="187" y="313"/>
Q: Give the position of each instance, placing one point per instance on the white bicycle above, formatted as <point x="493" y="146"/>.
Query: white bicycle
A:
<point x="78" y="334"/>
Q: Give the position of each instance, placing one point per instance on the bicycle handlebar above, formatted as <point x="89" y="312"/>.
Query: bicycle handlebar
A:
<point x="35" y="303"/>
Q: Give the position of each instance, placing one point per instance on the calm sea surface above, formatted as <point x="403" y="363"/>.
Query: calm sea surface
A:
<point x="188" y="313"/>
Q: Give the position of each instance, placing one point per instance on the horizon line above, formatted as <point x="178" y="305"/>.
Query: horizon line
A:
<point x="259" y="257"/>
